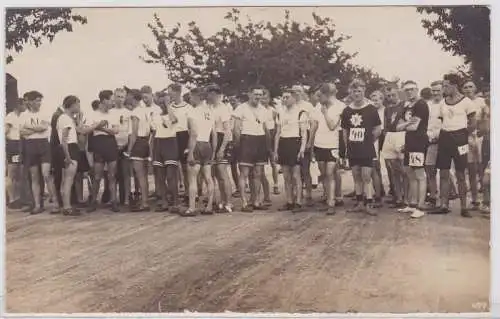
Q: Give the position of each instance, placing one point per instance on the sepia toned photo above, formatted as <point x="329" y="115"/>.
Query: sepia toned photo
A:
<point x="329" y="159"/>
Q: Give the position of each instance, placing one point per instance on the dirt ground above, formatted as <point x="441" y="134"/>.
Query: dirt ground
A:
<point x="260" y="262"/>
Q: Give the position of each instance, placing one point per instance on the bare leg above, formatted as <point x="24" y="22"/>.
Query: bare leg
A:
<point x="207" y="176"/>
<point x="192" y="175"/>
<point x="67" y="184"/>
<point x="244" y="172"/>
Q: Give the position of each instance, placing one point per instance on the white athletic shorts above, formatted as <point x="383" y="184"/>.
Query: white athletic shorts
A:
<point x="393" y="146"/>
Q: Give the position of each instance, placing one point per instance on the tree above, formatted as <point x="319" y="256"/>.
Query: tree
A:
<point x="34" y="25"/>
<point x="463" y="31"/>
<point x="251" y="53"/>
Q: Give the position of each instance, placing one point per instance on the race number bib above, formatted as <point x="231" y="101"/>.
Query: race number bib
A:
<point x="335" y="153"/>
<point x="464" y="149"/>
<point x="357" y="134"/>
<point x="416" y="159"/>
<point x="15" y="159"/>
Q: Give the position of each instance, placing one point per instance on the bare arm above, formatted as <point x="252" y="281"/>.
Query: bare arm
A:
<point x="277" y="138"/>
<point x="237" y="130"/>
<point x="303" y="137"/>
<point x="227" y="132"/>
<point x="64" y="143"/>
<point x="193" y="135"/>
<point x="345" y="137"/>
<point x="377" y="130"/>
<point x="312" y="136"/>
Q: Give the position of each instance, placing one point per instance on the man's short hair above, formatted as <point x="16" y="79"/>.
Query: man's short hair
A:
<point x="95" y="104"/>
<point x="69" y="101"/>
<point x="426" y="93"/>
<point x="328" y="89"/>
<point x="176" y="87"/>
<point x="146" y="89"/>
<point x="33" y="95"/>
<point x="434" y="83"/>
<point x="453" y="78"/>
<point x="105" y="95"/>
<point x="409" y="82"/>
<point x="213" y="88"/>
<point x="357" y="83"/>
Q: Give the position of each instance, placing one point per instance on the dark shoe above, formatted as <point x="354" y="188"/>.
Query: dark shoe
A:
<point x="236" y="194"/>
<point x="115" y="208"/>
<point x="188" y="213"/>
<point x="247" y="209"/>
<point x="36" y="211"/>
<point x="339" y="203"/>
<point x="174" y="210"/>
<point x="28" y="209"/>
<point x="92" y="208"/>
<point x="397" y="205"/>
<point x="207" y="211"/>
<point x="71" y="212"/>
<point x="309" y="202"/>
<point x="370" y="210"/>
<point x="260" y="207"/>
<point x="465" y="213"/>
<point x="287" y="207"/>
<point x="440" y="211"/>
<point x="162" y="208"/>
<point x="276" y="190"/>
<point x="297" y="209"/>
<point x="331" y="211"/>
<point x="15" y="205"/>
<point x="267" y="203"/>
<point x="475" y="206"/>
<point x="141" y="209"/>
<point x="357" y="208"/>
<point x="377" y="203"/>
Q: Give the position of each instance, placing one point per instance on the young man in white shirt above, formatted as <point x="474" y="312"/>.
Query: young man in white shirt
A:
<point x="325" y="134"/>
<point x="138" y="147"/>
<point x="123" y="169"/>
<point x="433" y="135"/>
<point x="222" y="115"/>
<point x="36" y="130"/>
<point x="459" y="121"/>
<point x="180" y="109"/>
<point x="469" y="89"/>
<point x="13" y="122"/>
<point x="153" y="108"/>
<point x="377" y="97"/>
<point x="289" y="147"/>
<point x="251" y="135"/>
<point x="201" y="146"/>
<point x="165" y="155"/>
<point x="105" y="148"/>
<point x="67" y="133"/>
<point x="306" y="162"/>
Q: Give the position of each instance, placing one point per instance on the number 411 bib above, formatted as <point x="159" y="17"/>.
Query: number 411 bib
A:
<point x="357" y="134"/>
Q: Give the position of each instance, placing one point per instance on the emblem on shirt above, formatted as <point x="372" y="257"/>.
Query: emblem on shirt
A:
<point x="356" y="119"/>
<point x="408" y="115"/>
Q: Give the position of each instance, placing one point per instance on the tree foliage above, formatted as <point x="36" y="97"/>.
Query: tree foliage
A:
<point x="249" y="53"/>
<point x="35" y="25"/>
<point x="463" y="31"/>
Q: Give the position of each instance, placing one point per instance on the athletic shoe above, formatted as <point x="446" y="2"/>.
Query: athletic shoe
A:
<point x="140" y="209"/>
<point x="188" y="213"/>
<point x="397" y="205"/>
<point x="115" y="207"/>
<point x="331" y="211"/>
<point x="174" y="210"/>
<point x="71" y="212"/>
<point x="485" y="209"/>
<point x="297" y="209"/>
<point x="247" y="209"/>
<point x="369" y="210"/>
<point x="465" y="213"/>
<point x="441" y="211"/>
<point x="406" y="209"/>
<point x="377" y="203"/>
<point x="207" y="211"/>
<point x="417" y="213"/>
<point x="309" y="202"/>
<point x="339" y="203"/>
<point x="15" y="205"/>
<point x="36" y="211"/>
<point x="236" y="194"/>
<point x="260" y="207"/>
<point x="475" y="206"/>
<point x="267" y="202"/>
<point x="276" y="190"/>
<point x="286" y="207"/>
<point x="162" y="208"/>
<point x="357" y="208"/>
<point x="92" y="208"/>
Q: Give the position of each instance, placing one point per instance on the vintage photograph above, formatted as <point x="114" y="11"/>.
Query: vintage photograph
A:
<point x="247" y="159"/>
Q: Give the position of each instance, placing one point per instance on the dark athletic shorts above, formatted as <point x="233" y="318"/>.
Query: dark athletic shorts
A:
<point x="453" y="146"/>
<point x="202" y="153"/>
<point x="182" y="145"/>
<point x="91" y="143"/>
<point x="326" y="154"/>
<point x="37" y="152"/>
<point x="105" y="149"/>
<point x="415" y="150"/>
<point x="361" y="162"/>
<point x="227" y="152"/>
<point x="13" y="151"/>
<point x="140" y="150"/>
<point x="74" y="151"/>
<point x="165" y="151"/>
<point x="288" y="150"/>
<point x="253" y="150"/>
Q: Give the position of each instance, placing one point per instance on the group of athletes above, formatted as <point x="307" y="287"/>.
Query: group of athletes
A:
<point x="204" y="143"/>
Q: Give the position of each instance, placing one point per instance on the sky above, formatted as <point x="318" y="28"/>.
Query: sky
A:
<point x="104" y="53"/>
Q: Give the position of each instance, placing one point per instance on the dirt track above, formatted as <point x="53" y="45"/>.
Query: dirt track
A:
<point x="273" y="262"/>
